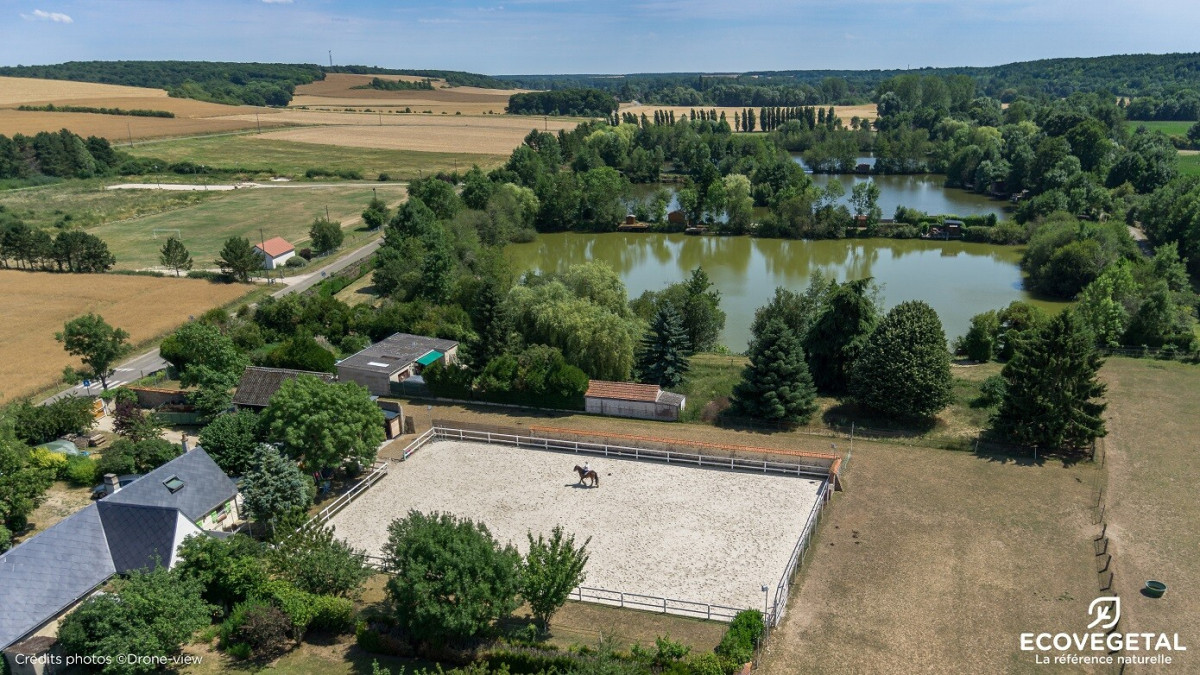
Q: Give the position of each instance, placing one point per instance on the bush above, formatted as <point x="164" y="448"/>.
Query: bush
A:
<point x="306" y="253"/>
<point x="331" y="614"/>
<point x="80" y="471"/>
<point x="742" y="637"/>
<point x="991" y="392"/>
<point x="295" y="261"/>
<point x="531" y="661"/>
<point x="209" y="275"/>
<point x="265" y="629"/>
<point x="383" y="178"/>
<point x="54" y="463"/>
<point x="5" y="542"/>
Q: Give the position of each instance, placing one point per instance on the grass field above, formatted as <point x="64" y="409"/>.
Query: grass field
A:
<point x="36" y="304"/>
<point x="286" y="212"/>
<point x="484" y="135"/>
<point x="1153" y="420"/>
<point x="936" y="561"/>
<point x="290" y="158"/>
<point x="1189" y="163"/>
<point x="87" y="204"/>
<point x="712" y="378"/>
<point x="1171" y="128"/>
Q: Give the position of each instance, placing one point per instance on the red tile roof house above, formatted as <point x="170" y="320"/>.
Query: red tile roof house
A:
<point x="629" y="399"/>
<point x="275" y="252"/>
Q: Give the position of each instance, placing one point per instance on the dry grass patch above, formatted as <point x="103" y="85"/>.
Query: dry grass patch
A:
<point x="1153" y="421"/>
<point x="337" y="90"/>
<point x="62" y="500"/>
<point x="119" y="128"/>
<point x="35" y="305"/>
<point x="936" y="561"/>
<point x="16" y="91"/>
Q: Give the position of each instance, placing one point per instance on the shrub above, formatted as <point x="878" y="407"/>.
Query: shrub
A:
<point x="383" y="178"/>
<point x="991" y="392"/>
<point x="265" y="629"/>
<point x="80" y="471"/>
<point x="300" y="607"/>
<point x="239" y="651"/>
<point x="331" y="614"/>
<point x="531" y="661"/>
<point x="54" y="463"/>
<point x="306" y="253"/>
<point x="743" y="634"/>
<point x="295" y="261"/>
<point x="5" y="539"/>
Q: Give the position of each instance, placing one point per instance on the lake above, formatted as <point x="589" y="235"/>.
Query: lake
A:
<point x="957" y="279"/>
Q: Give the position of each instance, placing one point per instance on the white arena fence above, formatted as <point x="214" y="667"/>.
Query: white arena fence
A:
<point x="618" y="451"/>
<point x="603" y="596"/>
<point x="796" y="560"/>
<point x="378" y="471"/>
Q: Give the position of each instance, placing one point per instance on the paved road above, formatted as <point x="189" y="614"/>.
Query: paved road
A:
<point x="152" y="361"/>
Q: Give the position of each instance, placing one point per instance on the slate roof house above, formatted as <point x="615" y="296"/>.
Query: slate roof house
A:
<point x="258" y="385"/>
<point x="134" y="528"/>
<point x="629" y="399"/>
<point x="395" y="359"/>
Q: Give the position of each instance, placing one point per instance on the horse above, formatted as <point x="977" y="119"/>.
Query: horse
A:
<point x="590" y="473"/>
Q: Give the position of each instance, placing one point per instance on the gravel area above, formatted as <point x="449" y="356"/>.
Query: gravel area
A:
<point x="685" y="533"/>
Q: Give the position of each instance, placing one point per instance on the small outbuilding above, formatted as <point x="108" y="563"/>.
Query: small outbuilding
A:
<point x="258" y="385"/>
<point x="630" y="399"/>
<point x="394" y="360"/>
<point x="275" y="252"/>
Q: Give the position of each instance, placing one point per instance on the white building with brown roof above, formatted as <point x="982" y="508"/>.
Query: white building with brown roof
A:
<point x="275" y="252"/>
<point x="630" y="399"/>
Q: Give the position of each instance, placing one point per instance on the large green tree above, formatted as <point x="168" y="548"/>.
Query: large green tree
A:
<point x="175" y="255"/>
<point x="553" y="568"/>
<point x="316" y="562"/>
<point x="98" y="344"/>
<point x="904" y="370"/>
<point x="326" y="235"/>
<point x="662" y="359"/>
<point x="22" y="485"/>
<point x="231" y="440"/>
<point x="324" y="425"/>
<point x="1053" y="398"/>
<point x="238" y="258"/>
<point x="776" y="385"/>
<point x="152" y="613"/>
<point x="274" y="487"/>
<point x="840" y="334"/>
<point x="451" y="579"/>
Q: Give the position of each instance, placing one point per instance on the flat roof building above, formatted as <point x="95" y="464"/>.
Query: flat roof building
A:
<point x="395" y="359"/>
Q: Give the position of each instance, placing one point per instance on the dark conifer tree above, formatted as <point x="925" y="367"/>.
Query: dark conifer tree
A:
<point x="662" y="359"/>
<point x="776" y="386"/>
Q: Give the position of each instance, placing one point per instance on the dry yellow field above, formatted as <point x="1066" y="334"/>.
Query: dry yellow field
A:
<point x="493" y="135"/>
<point x="337" y="91"/>
<point x="191" y="117"/>
<point x="845" y="112"/>
<point x="35" y="305"/>
<point x="16" y="91"/>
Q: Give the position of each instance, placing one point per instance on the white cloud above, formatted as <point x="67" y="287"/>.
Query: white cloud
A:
<point x="56" y="17"/>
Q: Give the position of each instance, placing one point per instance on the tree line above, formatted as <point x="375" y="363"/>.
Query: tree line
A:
<point x="135" y="112"/>
<point x="22" y="247"/>
<point x="573" y="102"/>
<point x="397" y="85"/>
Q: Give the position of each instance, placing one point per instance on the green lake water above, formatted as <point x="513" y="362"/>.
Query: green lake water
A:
<point x="957" y="279"/>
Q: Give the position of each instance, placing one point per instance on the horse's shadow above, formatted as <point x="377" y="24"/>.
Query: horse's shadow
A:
<point x="581" y="486"/>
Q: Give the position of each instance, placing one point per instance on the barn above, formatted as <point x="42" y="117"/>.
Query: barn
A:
<point x="629" y="399"/>
<point x="275" y="252"/>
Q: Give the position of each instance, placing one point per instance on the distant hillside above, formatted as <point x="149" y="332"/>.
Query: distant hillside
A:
<point x="454" y="78"/>
<point x="1137" y="75"/>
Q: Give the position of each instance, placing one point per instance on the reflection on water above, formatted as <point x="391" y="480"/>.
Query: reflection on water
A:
<point x="958" y="279"/>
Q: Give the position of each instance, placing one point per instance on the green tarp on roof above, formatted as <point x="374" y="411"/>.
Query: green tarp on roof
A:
<point x="429" y="358"/>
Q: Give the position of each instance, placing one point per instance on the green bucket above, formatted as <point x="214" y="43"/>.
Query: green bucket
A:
<point x="1155" y="589"/>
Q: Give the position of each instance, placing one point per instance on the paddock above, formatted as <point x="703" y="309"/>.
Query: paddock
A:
<point x="662" y="530"/>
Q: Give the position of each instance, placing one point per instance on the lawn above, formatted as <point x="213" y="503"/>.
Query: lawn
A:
<point x="1189" y="164"/>
<point x="1170" y="128"/>
<point x="289" y="158"/>
<point x="36" y="304"/>
<point x="1151" y="457"/>
<point x="711" y="379"/>
<point x="935" y="561"/>
<point x="286" y="212"/>
<point x="85" y="203"/>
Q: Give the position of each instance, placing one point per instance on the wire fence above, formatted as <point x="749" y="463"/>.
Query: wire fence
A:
<point x="379" y="470"/>
<point x="796" y="560"/>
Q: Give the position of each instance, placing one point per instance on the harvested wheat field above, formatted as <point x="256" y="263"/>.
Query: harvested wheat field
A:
<point x="337" y="91"/>
<point x="120" y="128"/>
<point x="35" y="305"/>
<point x="16" y="91"/>
<point x="845" y="112"/>
<point x="684" y="533"/>
<point x="481" y="135"/>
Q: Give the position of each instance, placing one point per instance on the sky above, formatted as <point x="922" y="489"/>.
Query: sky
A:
<point x="507" y="37"/>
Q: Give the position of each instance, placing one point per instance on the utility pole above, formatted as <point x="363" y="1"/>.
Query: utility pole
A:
<point x="381" y="118"/>
<point x="259" y="123"/>
<point x="327" y="212"/>
<point x="330" y="58"/>
<point x="129" y="128"/>
<point x="263" y="238"/>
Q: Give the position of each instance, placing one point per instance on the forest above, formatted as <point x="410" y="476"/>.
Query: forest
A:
<point x="574" y="102"/>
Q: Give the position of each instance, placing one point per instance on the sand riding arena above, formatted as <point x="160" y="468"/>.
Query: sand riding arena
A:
<point x="670" y="531"/>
